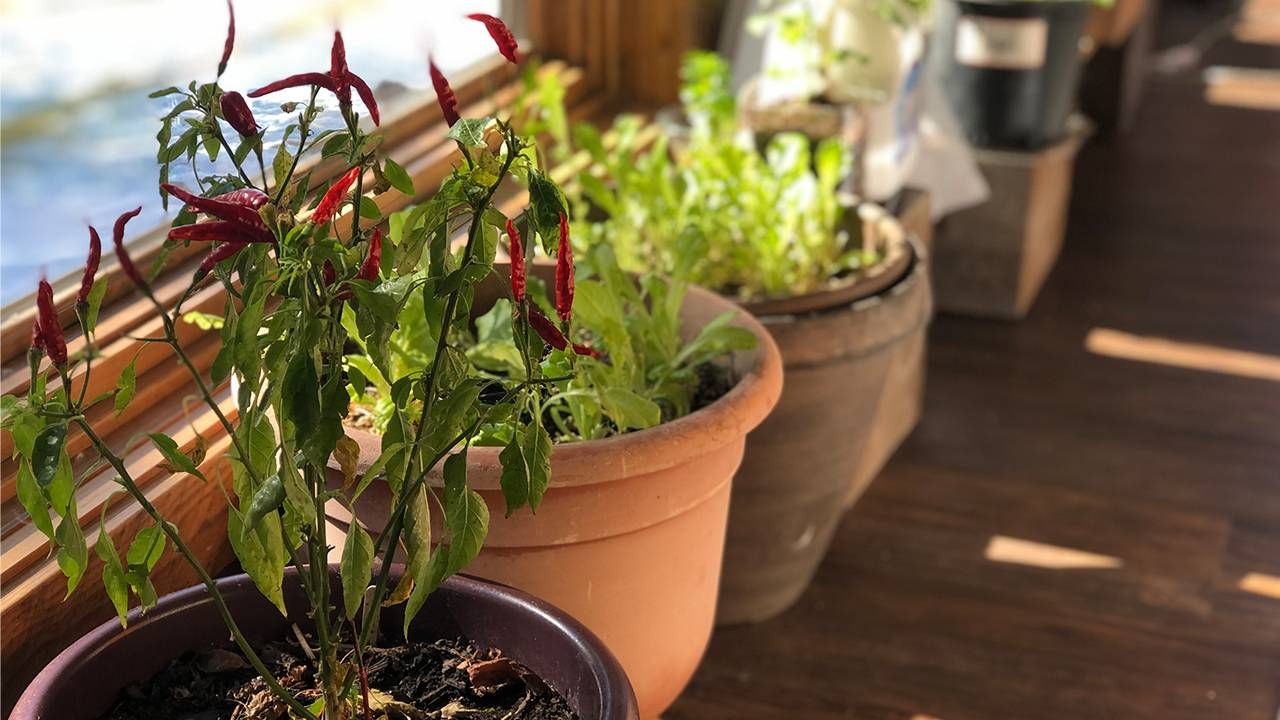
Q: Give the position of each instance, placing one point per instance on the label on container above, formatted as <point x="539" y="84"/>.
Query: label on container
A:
<point x="1004" y="43"/>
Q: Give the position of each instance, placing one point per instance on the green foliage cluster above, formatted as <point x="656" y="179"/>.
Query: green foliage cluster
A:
<point x="716" y="210"/>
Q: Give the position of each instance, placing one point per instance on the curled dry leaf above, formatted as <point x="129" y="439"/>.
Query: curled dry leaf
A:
<point x="347" y="453"/>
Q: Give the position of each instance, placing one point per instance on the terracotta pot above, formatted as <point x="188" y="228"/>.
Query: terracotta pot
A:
<point x="86" y="679"/>
<point x="854" y="362"/>
<point x="630" y="534"/>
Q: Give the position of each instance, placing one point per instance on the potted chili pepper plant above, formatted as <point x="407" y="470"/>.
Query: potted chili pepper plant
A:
<point x="298" y="291"/>
<point x="642" y="440"/>
<point x="838" y="284"/>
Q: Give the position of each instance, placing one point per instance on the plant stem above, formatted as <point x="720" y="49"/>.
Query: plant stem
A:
<point x="210" y="584"/>
<point x="451" y="306"/>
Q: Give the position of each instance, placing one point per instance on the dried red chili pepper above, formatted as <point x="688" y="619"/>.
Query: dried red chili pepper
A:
<point x="252" y="198"/>
<point x="564" y="273"/>
<point x="231" y="39"/>
<point x="55" y="343"/>
<point x="501" y="35"/>
<point x="217" y="231"/>
<point x="334" y="196"/>
<point x="372" y="261"/>
<point x="339" y="81"/>
<point x="90" y="266"/>
<point x="444" y="94"/>
<point x="328" y="273"/>
<point x="37" y="338"/>
<point x="236" y="211"/>
<point x="518" y="279"/>
<point x="546" y="329"/>
<point x="235" y="110"/>
<point x="220" y="253"/>
<point x="117" y="239"/>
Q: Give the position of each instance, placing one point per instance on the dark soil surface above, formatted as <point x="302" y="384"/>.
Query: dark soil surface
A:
<point x="440" y="680"/>
<point x="714" y="382"/>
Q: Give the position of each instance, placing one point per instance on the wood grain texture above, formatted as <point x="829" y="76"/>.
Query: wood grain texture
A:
<point x="1174" y="232"/>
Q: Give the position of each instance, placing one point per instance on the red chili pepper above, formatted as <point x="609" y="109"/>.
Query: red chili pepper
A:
<point x="55" y="343"/>
<point x="373" y="261"/>
<point x="333" y="198"/>
<point x="235" y="110"/>
<point x="217" y="231"/>
<point x="564" y="273"/>
<point x="546" y="329"/>
<point x="117" y="239"/>
<point x="444" y="94"/>
<point x="90" y="266"/>
<point x="236" y="211"/>
<point x="518" y="278"/>
<point x="37" y="338"/>
<point x="339" y="81"/>
<point x="501" y="35"/>
<point x="252" y="198"/>
<point x="231" y="39"/>
<point x="220" y="253"/>
<point x="580" y="349"/>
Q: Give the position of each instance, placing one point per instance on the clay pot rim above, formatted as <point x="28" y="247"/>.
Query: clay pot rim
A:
<point x="617" y="696"/>
<point x="905" y="253"/>
<point x="658" y="448"/>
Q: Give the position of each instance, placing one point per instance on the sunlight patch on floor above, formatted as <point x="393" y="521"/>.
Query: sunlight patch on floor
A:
<point x="1211" y="358"/>
<point x="1054" y="557"/>
<point x="1259" y="22"/>
<point x="1253" y="88"/>
<point x="1261" y="584"/>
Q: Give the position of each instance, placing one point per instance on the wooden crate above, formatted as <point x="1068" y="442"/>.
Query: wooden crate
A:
<point x="991" y="260"/>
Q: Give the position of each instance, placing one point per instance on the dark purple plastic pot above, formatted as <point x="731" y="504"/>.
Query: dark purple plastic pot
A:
<point x="85" y="680"/>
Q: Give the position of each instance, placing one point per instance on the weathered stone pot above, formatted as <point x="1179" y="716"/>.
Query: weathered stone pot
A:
<point x="85" y="681"/>
<point x="854" y="362"/>
<point x="630" y="534"/>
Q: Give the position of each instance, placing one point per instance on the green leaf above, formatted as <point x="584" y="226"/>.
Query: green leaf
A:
<point x="165" y="91"/>
<point x="73" y="553"/>
<point x="515" y="478"/>
<point x="262" y="554"/>
<point x="281" y="164"/>
<point x="465" y="513"/>
<point x="526" y="468"/>
<point x="96" y="294"/>
<point x="168" y="447"/>
<point x="369" y="208"/>
<point x="47" y="452"/>
<point x="32" y="500"/>
<point x="417" y="543"/>
<point x="301" y="394"/>
<point x="398" y="177"/>
<point x="470" y="132"/>
<point x="126" y="385"/>
<point x="146" y="550"/>
<point x="113" y="578"/>
<point x="356" y="567"/>
<point x="628" y="409"/>
<point x="547" y="204"/>
<point x="449" y="418"/>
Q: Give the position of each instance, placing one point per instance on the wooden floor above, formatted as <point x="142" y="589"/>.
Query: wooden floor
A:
<point x="1171" y="473"/>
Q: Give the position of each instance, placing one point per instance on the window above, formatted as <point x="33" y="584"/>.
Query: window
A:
<point x="79" y="130"/>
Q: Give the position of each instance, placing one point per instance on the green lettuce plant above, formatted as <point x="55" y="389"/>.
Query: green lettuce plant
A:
<point x="717" y="211"/>
<point x="303" y="282"/>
